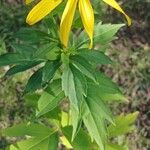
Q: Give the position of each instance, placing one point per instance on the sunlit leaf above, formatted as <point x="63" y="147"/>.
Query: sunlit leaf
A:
<point x="123" y="124"/>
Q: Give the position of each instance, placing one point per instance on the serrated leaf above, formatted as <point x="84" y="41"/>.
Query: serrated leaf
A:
<point x="35" y="82"/>
<point x="49" y="70"/>
<point x="75" y="87"/>
<point x="80" y="83"/>
<point x="95" y="114"/>
<point x="123" y="124"/>
<point x="83" y="66"/>
<point x="68" y="86"/>
<point x="95" y="56"/>
<point x="108" y="90"/>
<point x="104" y="33"/>
<point x="50" y="98"/>
<point x="21" y="68"/>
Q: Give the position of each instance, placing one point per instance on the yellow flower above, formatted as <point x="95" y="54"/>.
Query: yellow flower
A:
<point x="44" y="7"/>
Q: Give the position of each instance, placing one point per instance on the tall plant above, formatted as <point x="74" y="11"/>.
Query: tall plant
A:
<point x="69" y="94"/>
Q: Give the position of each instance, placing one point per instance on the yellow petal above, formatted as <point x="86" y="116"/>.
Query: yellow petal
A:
<point x="66" y="21"/>
<point x="28" y="1"/>
<point x="43" y="8"/>
<point x="115" y="5"/>
<point x="87" y="16"/>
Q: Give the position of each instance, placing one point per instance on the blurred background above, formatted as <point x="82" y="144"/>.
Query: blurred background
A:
<point x="131" y="52"/>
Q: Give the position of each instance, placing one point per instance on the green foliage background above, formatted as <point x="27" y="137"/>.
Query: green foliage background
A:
<point x="131" y="72"/>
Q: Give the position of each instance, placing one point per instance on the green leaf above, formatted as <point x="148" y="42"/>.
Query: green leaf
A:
<point x="49" y="142"/>
<point x="82" y="140"/>
<point x="123" y="124"/>
<point x="42" y="51"/>
<point x="12" y="58"/>
<point x="104" y="33"/>
<point x="75" y="87"/>
<point x="41" y="137"/>
<point x="83" y="66"/>
<point x="95" y="114"/>
<point x="32" y="36"/>
<point x="31" y="99"/>
<point x="35" y="82"/>
<point x="54" y="53"/>
<point x="108" y="90"/>
<point x="50" y="98"/>
<point x="21" y="68"/>
<point x="68" y="86"/>
<point x="95" y="56"/>
<point x="110" y="146"/>
<point x="80" y="83"/>
<point x="13" y="147"/>
<point x="29" y="129"/>
<point x="49" y="70"/>
<point x="26" y="51"/>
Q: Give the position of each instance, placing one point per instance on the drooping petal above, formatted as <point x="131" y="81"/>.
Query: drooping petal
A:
<point x="43" y="8"/>
<point x="66" y="21"/>
<point x="115" y="5"/>
<point x="87" y="16"/>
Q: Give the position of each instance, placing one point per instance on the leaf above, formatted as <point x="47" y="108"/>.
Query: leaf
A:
<point x="31" y="35"/>
<point x="80" y="83"/>
<point x="111" y="146"/>
<point x="49" y="142"/>
<point x="95" y="114"/>
<point x="75" y="87"/>
<point x="108" y="90"/>
<point x="11" y="58"/>
<point x="50" y="98"/>
<point x="123" y="124"/>
<point x="82" y="140"/>
<point x="64" y="119"/>
<point x="104" y="32"/>
<point x="49" y="70"/>
<point x="41" y="137"/>
<point x="31" y="99"/>
<point x="95" y="56"/>
<point x="83" y="66"/>
<point x="29" y="129"/>
<point x="25" y="50"/>
<point x="42" y="51"/>
<point x="13" y="147"/>
<point x="68" y="86"/>
<point x="35" y="82"/>
<point x="21" y="68"/>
